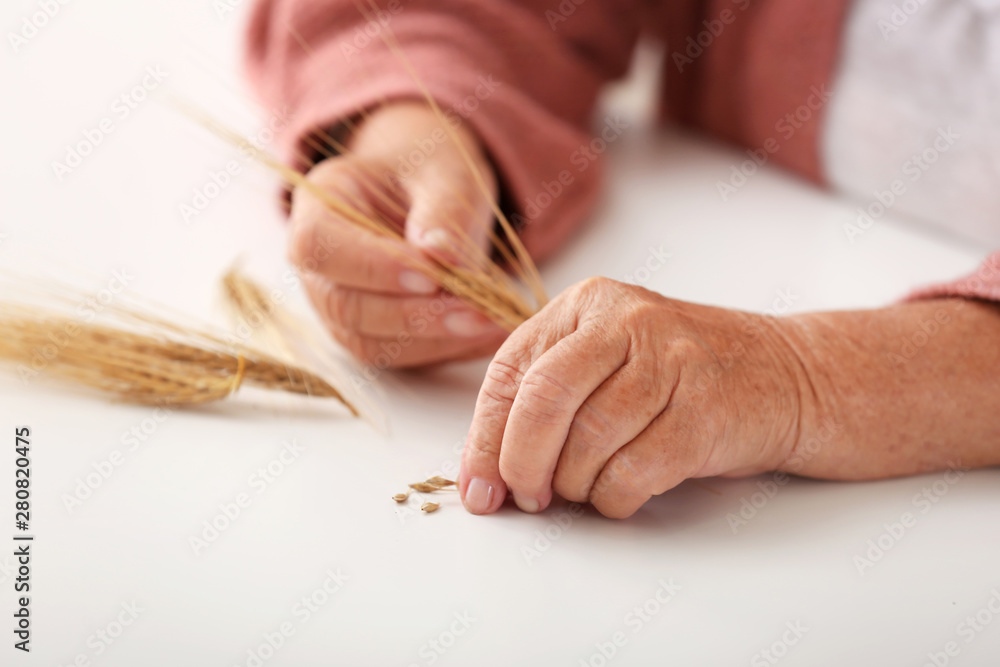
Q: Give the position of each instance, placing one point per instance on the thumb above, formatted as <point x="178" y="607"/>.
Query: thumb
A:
<point x="449" y="220"/>
<point x="480" y="485"/>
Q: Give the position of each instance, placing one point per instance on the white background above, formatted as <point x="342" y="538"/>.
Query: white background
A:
<point x="532" y="599"/>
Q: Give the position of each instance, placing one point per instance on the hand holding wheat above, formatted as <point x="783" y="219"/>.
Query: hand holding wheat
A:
<point x="403" y="166"/>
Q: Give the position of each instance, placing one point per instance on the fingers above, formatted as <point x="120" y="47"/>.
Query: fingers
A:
<point x="666" y="453"/>
<point x="449" y="217"/>
<point x="525" y="347"/>
<point x="544" y="407"/>
<point x="424" y="336"/>
<point x="377" y="315"/>
<point x="481" y="486"/>
<point x="616" y="413"/>
<point x="575" y="403"/>
<point x="367" y="257"/>
<point x="395" y="353"/>
<point x="324" y="243"/>
<point x="407" y="352"/>
<point x="450" y="214"/>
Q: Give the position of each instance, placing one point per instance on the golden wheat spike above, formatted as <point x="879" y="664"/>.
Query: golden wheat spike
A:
<point x="471" y="274"/>
<point x="488" y="290"/>
<point x="288" y="335"/>
<point x="154" y="363"/>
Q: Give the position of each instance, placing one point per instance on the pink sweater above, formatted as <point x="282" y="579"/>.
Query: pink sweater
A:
<point x="525" y="74"/>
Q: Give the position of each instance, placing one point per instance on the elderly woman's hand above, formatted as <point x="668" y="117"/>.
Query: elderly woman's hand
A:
<point x="613" y="394"/>
<point x="381" y="309"/>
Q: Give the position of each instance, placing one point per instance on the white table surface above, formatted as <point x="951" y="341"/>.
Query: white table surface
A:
<point x="410" y="576"/>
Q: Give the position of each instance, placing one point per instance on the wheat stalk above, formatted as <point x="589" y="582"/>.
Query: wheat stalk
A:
<point x="288" y="336"/>
<point x="473" y="276"/>
<point x="139" y="357"/>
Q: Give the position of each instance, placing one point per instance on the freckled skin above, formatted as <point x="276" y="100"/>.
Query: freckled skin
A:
<point x="614" y="394"/>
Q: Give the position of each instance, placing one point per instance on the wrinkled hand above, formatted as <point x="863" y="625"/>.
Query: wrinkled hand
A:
<point x="384" y="312"/>
<point x="613" y="394"/>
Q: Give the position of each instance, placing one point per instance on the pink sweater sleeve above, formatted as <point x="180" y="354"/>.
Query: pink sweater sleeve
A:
<point x="522" y="73"/>
<point x="983" y="283"/>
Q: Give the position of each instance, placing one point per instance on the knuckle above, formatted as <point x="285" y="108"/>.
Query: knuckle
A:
<point x="619" y="490"/>
<point x="300" y="241"/>
<point x="345" y="307"/>
<point x="335" y="306"/>
<point x="501" y="381"/>
<point x="368" y="269"/>
<point x="369" y="351"/>
<point x="572" y="490"/>
<point x="641" y="315"/>
<point x="590" y="429"/>
<point x="595" y="285"/>
<point x="618" y="476"/>
<point x="318" y="291"/>
<point x="542" y="398"/>
<point x="348" y="342"/>
<point x="353" y="343"/>
<point x="479" y="449"/>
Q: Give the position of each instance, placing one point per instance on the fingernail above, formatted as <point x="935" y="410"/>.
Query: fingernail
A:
<point x="478" y="496"/>
<point x="436" y="238"/>
<point x="529" y="505"/>
<point x="468" y="325"/>
<point x="416" y="283"/>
